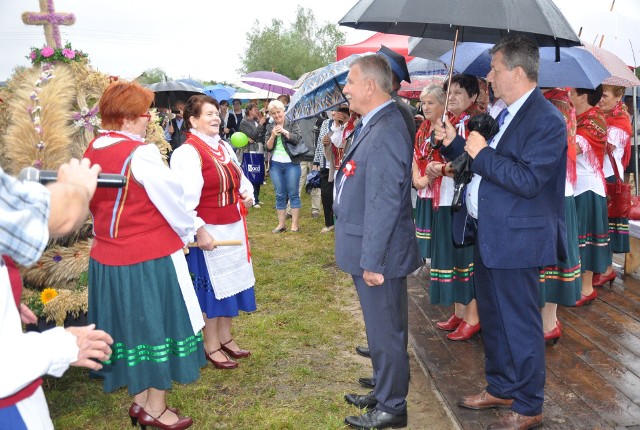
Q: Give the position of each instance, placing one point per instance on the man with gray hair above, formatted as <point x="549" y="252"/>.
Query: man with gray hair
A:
<point x="515" y="208"/>
<point x="375" y="236"/>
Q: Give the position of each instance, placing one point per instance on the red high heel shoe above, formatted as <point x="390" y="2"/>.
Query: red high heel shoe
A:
<point x="147" y="420"/>
<point x="600" y="279"/>
<point x="464" y="331"/>
<point x="135" y="409"/>
<point x="240" y="353"/>
<point x="586" y="300"/>
<point x="225" y="365"/>
<point x="451" y="324"/>
<point x="553" y="335"/>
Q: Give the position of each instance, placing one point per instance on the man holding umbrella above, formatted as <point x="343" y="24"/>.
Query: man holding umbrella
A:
<point x="515" y="205"/>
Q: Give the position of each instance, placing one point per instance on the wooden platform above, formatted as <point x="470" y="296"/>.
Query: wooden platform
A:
<point x="593" y="372"/>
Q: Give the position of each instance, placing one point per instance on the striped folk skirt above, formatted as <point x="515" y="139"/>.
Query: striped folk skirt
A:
<point x="593" y="232"/>
<point x="562" y="283"/>
<point x="451" y="265"/>
<point x="424" y="215"/>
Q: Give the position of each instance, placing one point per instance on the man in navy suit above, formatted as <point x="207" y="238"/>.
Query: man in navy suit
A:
<point x="515" y="203"/>
<point x="375" y="236"/>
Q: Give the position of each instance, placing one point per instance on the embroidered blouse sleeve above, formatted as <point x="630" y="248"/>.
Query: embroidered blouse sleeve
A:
<point x="617" y="137"/>
<point x="164" y="189"/>
<point x="185" y="162"/>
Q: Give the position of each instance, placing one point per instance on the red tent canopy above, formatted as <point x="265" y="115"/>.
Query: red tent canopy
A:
<point x="396" y="42"/>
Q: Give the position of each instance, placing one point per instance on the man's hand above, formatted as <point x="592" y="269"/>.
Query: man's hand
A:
<point x="445" y="132"/>
<point x="80" y="174"/>
<point x="326" y="140"/>
<point x="373" y="279"/>
<point x="204" y="239"/>
<point x="475" y="144"/>
<point x="93" y="345"/>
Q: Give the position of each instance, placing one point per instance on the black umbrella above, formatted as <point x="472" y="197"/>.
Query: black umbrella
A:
<point x="485" y="21"/>
<point x="169" y="92"/>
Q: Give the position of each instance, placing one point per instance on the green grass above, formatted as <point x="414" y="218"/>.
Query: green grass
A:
<point x="301" y="338"/>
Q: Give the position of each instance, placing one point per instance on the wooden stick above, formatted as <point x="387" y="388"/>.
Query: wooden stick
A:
<point x="219" y="243"/>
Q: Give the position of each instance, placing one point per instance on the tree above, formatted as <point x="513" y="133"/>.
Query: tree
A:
<point x="151" y="76"/>
<point x="291" y="51"/>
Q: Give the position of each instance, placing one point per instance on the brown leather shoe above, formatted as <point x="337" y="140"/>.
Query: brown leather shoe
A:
<point x="515" y="421"/>
<point x="484" y="400"/>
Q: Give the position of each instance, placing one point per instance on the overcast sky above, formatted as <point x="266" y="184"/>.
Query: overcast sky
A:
<point x="201" y="39"/>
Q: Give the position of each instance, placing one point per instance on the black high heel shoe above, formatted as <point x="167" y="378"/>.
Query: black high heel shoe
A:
<point x="147" y="420"/>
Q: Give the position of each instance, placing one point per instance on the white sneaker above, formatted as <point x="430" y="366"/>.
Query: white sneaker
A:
<point x="257" y="206"/>
<point x="327" y="229"/>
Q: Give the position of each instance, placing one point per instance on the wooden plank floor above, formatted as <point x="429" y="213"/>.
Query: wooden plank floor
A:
<point x="593" y="372"/>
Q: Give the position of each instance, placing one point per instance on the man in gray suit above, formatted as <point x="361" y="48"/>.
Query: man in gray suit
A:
<point x="375" y="236"/>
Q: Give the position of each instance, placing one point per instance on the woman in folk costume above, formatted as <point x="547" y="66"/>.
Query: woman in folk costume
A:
<point x="217" y="195"/>
<point x="590" y="197"/>
<point x="140" y="290"/>
<point x="561" y="284"/>
<point x="619" y="146"/>
<point x="451" y="265"/>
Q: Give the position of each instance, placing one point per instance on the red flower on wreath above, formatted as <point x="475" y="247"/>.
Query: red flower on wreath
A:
<point x="350" y="168"/>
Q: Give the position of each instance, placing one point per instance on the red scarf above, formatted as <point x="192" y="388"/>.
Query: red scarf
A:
<point x="560" y="99"/>
<point x="593" y="127"/>
<point x="423" y="154"/>
<point x="619" y="117"/>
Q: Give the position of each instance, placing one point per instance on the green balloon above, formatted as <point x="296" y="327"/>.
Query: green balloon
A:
<point x="239" y="139"/>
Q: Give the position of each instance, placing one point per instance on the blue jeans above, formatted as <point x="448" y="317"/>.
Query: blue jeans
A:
<point x="286" y="179"/>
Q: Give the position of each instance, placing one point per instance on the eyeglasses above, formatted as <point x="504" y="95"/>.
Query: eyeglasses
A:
<point x="145" y="115"/>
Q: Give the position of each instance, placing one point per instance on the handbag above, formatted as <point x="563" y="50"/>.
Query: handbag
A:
<point x="297" y="150"/>
<point x="253" y="167"/>
<point x="618" y="194"/>
<point x="634" y="211"/>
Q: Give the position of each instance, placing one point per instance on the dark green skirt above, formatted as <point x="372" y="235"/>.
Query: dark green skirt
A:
<point x="142" y="308"/>
<point x="593" y="232"/>
<point x="451" y="265"/>
<point x="562" y="283"/>
<point x="424" y="215"/>
<point x="618" y="232"/>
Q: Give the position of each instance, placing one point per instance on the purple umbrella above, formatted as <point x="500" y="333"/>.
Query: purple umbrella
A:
<point x="270" y="81"/>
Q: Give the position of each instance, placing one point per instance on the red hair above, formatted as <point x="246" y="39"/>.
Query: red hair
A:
<point x="123" y="100"/>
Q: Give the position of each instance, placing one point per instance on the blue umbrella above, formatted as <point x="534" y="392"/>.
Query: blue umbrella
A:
<point x="219" y="91"/>
<point x="575" y="69"/>
<point x="321" y="89"/>
<point x="423" y="67"/>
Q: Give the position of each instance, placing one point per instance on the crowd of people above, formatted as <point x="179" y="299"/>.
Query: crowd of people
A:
<point x="532" y="231"/>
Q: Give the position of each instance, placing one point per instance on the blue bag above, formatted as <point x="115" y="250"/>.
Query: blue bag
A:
<point x="253" y="167"/>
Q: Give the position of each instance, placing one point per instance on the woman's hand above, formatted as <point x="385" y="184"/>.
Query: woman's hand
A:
<point x="204" y="239"/>
<point x="421" y="182"/>
<point x="277" y="130"/>
<point x="247" y="199"/>
<point x="434" y="170"/>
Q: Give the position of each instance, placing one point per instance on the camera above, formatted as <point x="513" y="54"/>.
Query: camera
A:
<point x="176" y="111"/>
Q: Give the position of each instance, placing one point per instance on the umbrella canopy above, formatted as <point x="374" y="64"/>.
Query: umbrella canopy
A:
<point x="272" y="82"/>
<point x="397" y="43"/>
<point x="191" y="82"/>
<point x="577" y="68"/>
<point x="621" y="75"/>
<point x="219" y="91"/>
<point x="322" y="90"/>
<point x="169" y="92"/>
<point x="412" y="90"/>
<point x="612" y="25"/>
<point x="438" y="19"/>
<point x="424" y="67"/>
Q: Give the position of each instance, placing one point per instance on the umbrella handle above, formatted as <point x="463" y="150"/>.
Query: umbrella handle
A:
<point x="438" y="143"/>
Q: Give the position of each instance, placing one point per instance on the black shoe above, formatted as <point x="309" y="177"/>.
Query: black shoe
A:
<point x="363" y="351"/>
<point x="377" y="419"/>
<point x="367" y="383"/>
<point x="359" y="401"/>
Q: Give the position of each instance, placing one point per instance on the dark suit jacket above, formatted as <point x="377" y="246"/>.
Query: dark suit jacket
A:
<point x="374" y="225"/>
<point x="232" y="125"/>
<point x="521" y="196"/>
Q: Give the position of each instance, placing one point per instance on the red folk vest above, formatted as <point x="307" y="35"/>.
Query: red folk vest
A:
<point x="220" y="192"/>
<point x="127" y="226"/>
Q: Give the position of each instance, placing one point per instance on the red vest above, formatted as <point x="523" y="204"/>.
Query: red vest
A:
<point x="219" y="199"/>
<point x="127" y="226"/>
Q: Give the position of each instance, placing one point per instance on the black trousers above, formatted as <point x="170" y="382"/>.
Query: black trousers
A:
<point x="326" y="195"/>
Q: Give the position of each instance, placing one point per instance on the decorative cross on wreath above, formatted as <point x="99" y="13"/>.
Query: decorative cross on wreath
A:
<point x="51" y="21"/>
